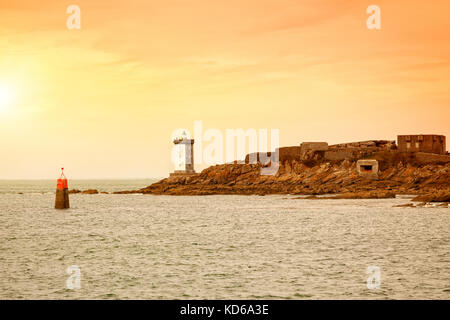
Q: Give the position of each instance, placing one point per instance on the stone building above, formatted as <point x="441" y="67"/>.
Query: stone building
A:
<point x="429" y="143"/>
<point x="426" y="148"/>
<point x="316" y="146"/>
<point x="369" y="144"/>
<point x="356" y="150"/>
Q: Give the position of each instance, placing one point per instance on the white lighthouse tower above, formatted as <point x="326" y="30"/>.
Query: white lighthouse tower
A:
<point x="184" y="155"/>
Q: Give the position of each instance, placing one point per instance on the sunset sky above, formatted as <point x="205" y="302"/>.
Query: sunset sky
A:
<point x="104" y="100"/>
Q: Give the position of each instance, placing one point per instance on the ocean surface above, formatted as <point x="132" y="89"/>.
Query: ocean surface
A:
<point x="217" y="247"/>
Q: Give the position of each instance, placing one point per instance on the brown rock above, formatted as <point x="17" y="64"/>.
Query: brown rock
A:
<point x="406" y="205"/>
<point x="127" y="192"/>
<point x="422" y="204"/>
<point x="90" y="191"/>
<point x="443" y="196"/>
<point x="313" y="178"/>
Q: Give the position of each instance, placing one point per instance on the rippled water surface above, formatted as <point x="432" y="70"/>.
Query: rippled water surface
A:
<point x="218" y="247"/>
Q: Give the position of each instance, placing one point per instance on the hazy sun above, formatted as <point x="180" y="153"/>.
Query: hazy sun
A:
<point x="6" y="97"/>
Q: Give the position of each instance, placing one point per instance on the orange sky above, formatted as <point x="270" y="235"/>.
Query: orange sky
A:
<point x="103" y="101"/>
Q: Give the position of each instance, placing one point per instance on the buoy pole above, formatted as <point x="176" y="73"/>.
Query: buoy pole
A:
<point x="62" y="192"/>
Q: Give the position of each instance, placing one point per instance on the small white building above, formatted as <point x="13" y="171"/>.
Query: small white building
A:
<point x="184" y="153"/>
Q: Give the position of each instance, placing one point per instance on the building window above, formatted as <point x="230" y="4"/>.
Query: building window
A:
<point x="408" y="145"/>
<point x="417" y="145"/>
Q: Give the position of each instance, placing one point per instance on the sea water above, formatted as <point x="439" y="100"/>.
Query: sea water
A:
<point x="217" y="247"/>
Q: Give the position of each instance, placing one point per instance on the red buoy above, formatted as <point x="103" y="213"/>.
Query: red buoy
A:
<point x="62" y="192"/>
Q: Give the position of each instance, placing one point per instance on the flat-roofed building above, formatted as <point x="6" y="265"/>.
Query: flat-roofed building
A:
<point x="430" y="143"/>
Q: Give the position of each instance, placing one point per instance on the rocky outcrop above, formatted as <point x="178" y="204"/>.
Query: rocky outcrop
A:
<point x="127" y="192"/>
<point x="442" y="196"/>
<point x="375" y="194"/>
<point x="90" y="191"/>
<point x="397" y="176"/>
<point x="422" y="205"/>
<point x="406" y="205"/>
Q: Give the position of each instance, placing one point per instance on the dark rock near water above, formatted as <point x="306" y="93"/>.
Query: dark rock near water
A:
<point x="127" y="192"/>
<point x="90" y="191"/>
<point x="406" y="205"/>
<point x="442" y="196"/>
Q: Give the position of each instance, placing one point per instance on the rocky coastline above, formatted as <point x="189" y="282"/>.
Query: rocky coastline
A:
<point x="338" y="179"/>
<point x="299" y="179"/>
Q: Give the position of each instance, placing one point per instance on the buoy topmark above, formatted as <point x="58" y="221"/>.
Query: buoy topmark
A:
<point x="61" y="183"/>
<point x="62" y="192"/>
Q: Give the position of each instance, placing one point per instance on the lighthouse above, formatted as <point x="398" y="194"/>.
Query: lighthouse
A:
<point x="184" y="156"/>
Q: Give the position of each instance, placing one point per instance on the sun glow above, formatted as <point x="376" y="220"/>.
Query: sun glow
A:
<point x="6" y="97"/>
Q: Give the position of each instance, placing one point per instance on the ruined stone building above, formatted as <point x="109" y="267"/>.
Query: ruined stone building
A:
<point x="429" y="143"/>
<point x="370" y="156"/>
